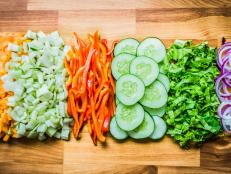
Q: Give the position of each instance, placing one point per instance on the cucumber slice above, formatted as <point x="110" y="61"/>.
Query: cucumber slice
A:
<point x="129" y="117"/>
<point x="129" y="89"/>
<point x="128" y="45"/>
<point x="145" y="68"/>
<point x="116" y="131"/>
<point x="144" y="130"/>
<point x="120" y="65"/>
<point x="161" y="67"/>
<point x="156" y="111"/>
<point x="117" y="101"/>
<point x="155" y="95"/>
<point x="164" y="80"/>
<point x="160" y="128"/>
<point x="153" y="48"/>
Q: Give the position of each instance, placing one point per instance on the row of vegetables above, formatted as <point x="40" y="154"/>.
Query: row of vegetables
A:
<point x="131" y="88"/>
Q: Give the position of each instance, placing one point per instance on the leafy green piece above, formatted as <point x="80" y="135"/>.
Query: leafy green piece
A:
<point x="191" y="113"/>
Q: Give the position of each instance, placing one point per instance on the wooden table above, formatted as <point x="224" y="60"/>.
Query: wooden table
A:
<point x="168" y="20"/>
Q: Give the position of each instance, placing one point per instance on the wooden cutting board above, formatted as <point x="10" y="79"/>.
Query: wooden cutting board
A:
<point x="168" y="20"/>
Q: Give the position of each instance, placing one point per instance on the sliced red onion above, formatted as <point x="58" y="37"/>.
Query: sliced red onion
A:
<point x="225" y="92"/>
<point x="223" y="107"/>
<point x="224" y="50"/>
<point x="226" y="123"/>
<point x="218" y="84"/>
<point x="226" y="66"/>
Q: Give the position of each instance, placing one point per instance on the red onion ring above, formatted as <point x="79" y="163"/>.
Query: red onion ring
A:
<point x="226" y="124"/>
<point x="224" y="67"/>
<point x="224" y="48"/>
<point x="223" y="107"/>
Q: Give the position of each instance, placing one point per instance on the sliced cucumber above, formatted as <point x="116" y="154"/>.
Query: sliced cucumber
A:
<point x="117" y="101"/>
<point x="153" y="48"/>
<point x="144" y="130"/>
<point x="129" y="117"/>
<point x="126" y="46"/>
<point x="120" y="65"/>
<point x="155" y="95"/>
<point x="145" y="68"/>
<point x="161" y="67"/>
<point x="156" y="111"/>
<point x="116" y="131"/>
<point x="160" y="128"/>
<point x="129" y="89"/>
<point x="164" y="80"/>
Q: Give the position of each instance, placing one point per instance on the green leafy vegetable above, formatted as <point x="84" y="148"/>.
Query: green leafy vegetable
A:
<point x="191" y="113"/>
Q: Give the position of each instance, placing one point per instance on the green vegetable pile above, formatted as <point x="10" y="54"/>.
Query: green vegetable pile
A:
<point x="191" y="113"/>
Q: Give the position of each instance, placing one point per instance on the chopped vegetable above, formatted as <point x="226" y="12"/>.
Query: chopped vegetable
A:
<point x="36" y="76"/>
<point x="223" y="85"/>
<point x="7" y="41"/>
<point x="91" y="87"/>
<point x="191" y="113"/>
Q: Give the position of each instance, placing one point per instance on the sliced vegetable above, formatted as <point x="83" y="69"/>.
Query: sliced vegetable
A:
<point x="91" y="87"/>
<point x="164" y="80"/>
<point x="129" y="89"/>
<point x="144" y="68"/>
<point x="120" y="65"/>
<point x="160" y="128"/>
<point x="128" y="46"/>
<point x="153" y="48"/>
<point x="129" y="117"/>
<point x="156" y="111"/>
<point x="144" y="130"/>
<point x="155" y="95"/>
<point x="7" y="128"/>
<point x="223" y="85"/>
<point x="116" y="131"/>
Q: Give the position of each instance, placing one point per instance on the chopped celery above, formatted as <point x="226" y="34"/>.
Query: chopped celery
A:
<point x="37" y="79"/>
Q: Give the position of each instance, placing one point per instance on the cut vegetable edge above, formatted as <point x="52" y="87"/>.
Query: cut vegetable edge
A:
<point x="129" y="117"/>
<point x="164" y="80"/>
<point x="128" y="45"/>
<point x="120" y="65"/>
<point x="155" y="95"/>
<point x="144" y="130"/>
<point x="160" y="128"/>
<point x="116" y="131"/>
<point x="147" y="48"/>
<point x="156" y="111"/>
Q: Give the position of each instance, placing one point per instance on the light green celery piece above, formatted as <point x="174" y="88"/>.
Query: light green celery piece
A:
<point x="38" y="81"/>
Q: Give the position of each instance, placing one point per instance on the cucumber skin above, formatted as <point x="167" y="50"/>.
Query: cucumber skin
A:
<point x="159" y="138"/>
<point x="133" y="134"/>
<point x="148" y="110"/>
<point x="144" y="103"/>
<point x="125" y="129"/>
<point x="113" y="121"/>
<point x="116" y="54"/>
<point x="114" y="71"/>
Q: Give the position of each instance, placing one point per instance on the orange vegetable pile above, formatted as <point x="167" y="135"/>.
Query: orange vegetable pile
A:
<point x="6" y="123"/>
<point x="91" y="87"/>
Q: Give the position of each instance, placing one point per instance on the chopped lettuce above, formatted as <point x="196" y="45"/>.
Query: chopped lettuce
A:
<point x="37" y="79"/>
<point x="191" y="113"/>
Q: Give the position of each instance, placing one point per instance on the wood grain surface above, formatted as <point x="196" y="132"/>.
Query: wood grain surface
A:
<point x="169" y="19"/>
